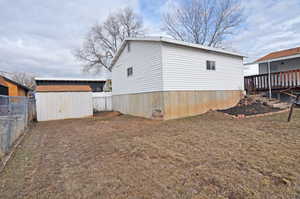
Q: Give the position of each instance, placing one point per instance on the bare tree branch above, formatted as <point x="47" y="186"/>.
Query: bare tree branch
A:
<point x="103" y="40"/>
<point x="24" y="79"/>
<point x="206" y="22"/>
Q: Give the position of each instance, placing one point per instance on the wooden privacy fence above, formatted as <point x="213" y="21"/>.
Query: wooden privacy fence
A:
<point x="278" y="80"/>
<point x="102" y="101"/>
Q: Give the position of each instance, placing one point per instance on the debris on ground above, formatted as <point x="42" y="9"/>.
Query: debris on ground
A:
<point x="253" y="105"/>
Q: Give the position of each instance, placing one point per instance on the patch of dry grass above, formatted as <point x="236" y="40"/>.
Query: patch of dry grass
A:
<point x="208" y="156"/>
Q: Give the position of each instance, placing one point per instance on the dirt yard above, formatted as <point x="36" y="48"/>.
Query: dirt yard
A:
<point x="208" y="156"/>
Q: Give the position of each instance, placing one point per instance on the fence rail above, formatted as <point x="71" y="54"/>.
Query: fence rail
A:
<point x="15" y="115"/>
<point x="278" y="80"/>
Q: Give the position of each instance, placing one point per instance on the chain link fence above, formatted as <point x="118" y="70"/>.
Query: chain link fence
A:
<point x="15" y="115"/>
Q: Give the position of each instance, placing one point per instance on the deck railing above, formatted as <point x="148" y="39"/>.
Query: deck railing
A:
<point x="278" y="80"/>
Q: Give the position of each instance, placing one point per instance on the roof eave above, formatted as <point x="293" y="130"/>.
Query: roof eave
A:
<point x="116" y="57"/>
<point x="217" y="50"/>
<point x="171" y="41"/>
<point x="18" y="84"/>
<point x="66" y="79"/>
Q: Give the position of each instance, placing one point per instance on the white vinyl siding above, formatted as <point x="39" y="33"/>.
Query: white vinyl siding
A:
<point x="145" y="59"/>
<point x="63" y="105"/>
<point x="184" y="68"/>
<point x="159" y="66"/>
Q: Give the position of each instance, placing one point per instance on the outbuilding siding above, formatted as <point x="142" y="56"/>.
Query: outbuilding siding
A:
<point x="184" y="68"/>
<point x="63" y="105"/>
<point x="145" y="58"/>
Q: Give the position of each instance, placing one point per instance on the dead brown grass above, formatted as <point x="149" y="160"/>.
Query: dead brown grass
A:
<point x="208" y="156"/>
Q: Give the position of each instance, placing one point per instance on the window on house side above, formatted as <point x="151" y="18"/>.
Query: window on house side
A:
<point x="129" y="71"/>
<point x="210" y="65"/>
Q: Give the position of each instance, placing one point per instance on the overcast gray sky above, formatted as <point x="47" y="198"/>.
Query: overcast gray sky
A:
<point x="39" y="36"/>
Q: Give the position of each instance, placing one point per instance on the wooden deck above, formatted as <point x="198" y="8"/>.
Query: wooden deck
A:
<point x="279" y="81"/>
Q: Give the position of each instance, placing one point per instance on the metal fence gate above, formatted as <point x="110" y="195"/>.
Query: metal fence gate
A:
<point x="15" y="114"/>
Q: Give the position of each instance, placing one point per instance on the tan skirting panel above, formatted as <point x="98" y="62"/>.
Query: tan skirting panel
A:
<point x="174" y="104"/>
<point x="188" y="103"/>
<point x="140" y="104"/>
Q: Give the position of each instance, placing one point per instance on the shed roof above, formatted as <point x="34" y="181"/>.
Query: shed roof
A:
<point x="69" y="79"/>
<point x="280" y="54"/>
<point x="171" y="41"/>
<point x="64" y="88"/>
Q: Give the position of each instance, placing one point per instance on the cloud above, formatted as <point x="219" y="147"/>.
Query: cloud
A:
<point x="39" y="36"/>
<point x="270" y="25"/>
<point x="151" y="12"/>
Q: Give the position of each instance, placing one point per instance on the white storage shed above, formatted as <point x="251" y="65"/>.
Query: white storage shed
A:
<point x="57" y="102"/>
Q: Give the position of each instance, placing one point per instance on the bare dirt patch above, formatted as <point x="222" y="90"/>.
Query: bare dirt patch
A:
<point x="208" y="156"/>
<point x="106" y="114"/>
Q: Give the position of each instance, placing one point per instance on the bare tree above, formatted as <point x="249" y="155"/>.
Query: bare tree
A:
<point x="24" y="79"/>
<point x="205" y="22"/>
<point x="103" y="40"/>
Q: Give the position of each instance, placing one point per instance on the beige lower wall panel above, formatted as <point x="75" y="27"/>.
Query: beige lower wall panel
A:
<point x="142" y="104"/>
<point x="174" y="104"/>
<point x="188" y="103"/>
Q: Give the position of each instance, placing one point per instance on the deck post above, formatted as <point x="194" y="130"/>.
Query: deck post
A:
<point x="269" y="80"/>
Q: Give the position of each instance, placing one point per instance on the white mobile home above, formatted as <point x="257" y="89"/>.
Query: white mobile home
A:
<point x="164" y="78"/>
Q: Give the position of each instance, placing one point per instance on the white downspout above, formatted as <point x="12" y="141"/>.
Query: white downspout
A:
<point x="269" y="80"/>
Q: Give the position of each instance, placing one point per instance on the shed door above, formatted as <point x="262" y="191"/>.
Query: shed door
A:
<point x="63" y="105"/>
<point x="3" y="90"/>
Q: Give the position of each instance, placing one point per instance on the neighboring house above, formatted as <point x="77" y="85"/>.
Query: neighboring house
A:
<point x="283" y="60"/>
<point x="278" y="71"/>
<point x="95" y="84"/>
<point x="157" y="77"/>
<point x="11" y="88"/>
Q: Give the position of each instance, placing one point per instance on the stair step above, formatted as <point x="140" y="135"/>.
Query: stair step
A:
<point x="281" y="105"/>
<point x="272" y="102"/>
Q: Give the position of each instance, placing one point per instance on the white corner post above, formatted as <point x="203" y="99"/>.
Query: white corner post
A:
<point x="269" y="80"/>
